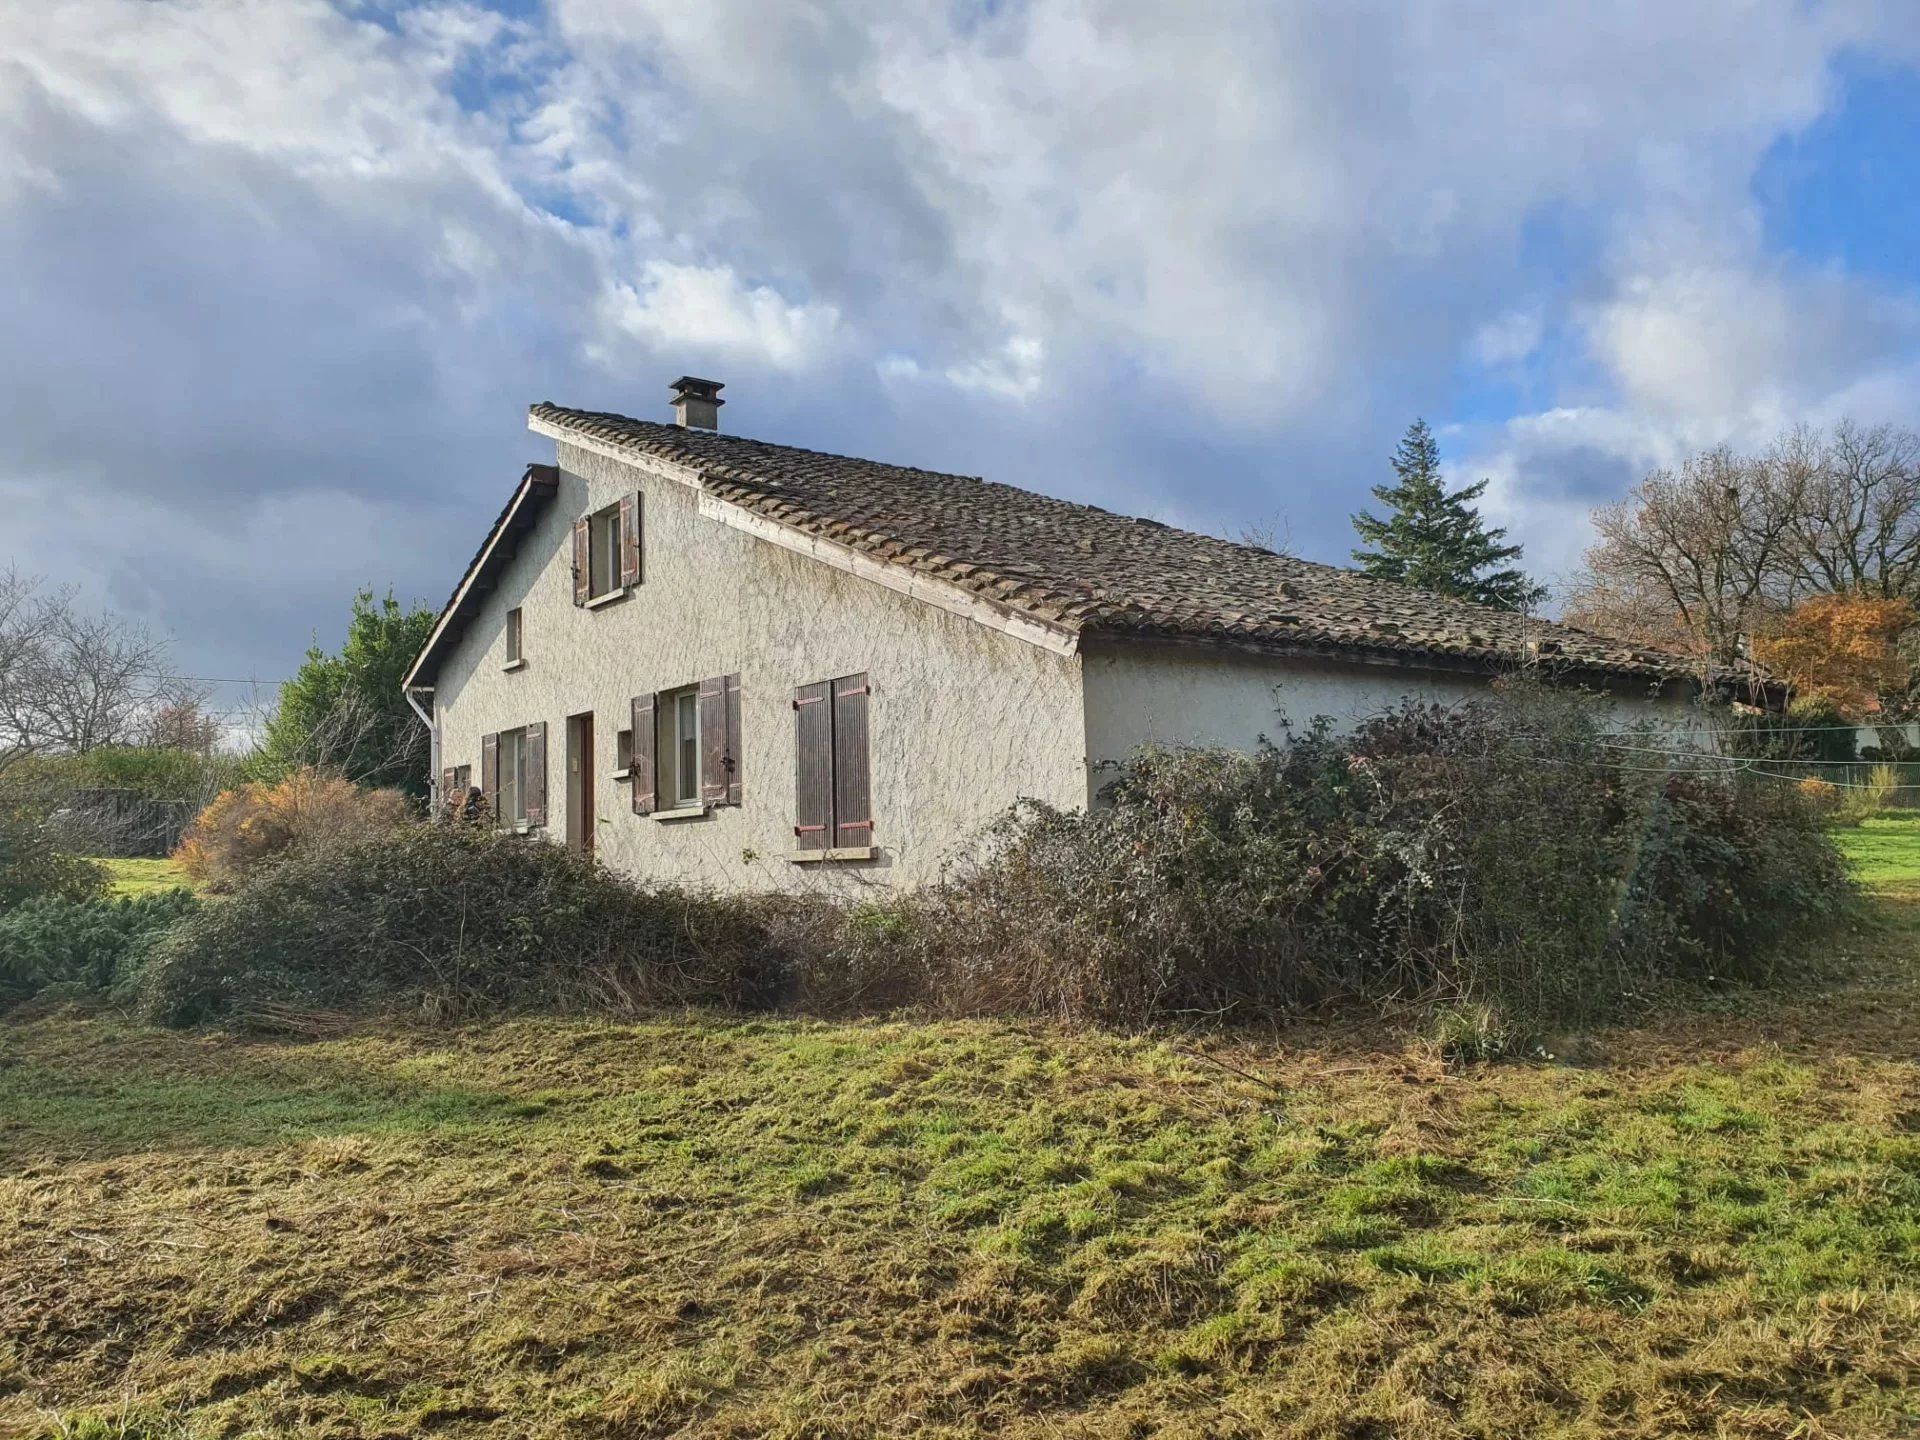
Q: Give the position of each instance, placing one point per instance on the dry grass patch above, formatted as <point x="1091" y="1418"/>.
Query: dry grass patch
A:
<point x="704" y="1226"/>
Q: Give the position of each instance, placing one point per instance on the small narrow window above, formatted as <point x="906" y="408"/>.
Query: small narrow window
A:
<point x="462" y="779"/>
<point x="622" y="753"/>
<point x="603" y="552"/>
<point x="513" y="798"/>
<point x="515" y="655"/>
<point x="678" y="722"/>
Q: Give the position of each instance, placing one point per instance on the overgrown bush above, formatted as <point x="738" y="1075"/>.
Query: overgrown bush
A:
<point x="446" y="919"/>
<point x="1515" y="860"/>
<point x="1509" y="852"/>
<point x="261" y="823"/>
<point x="33" y="863"/>
<point x="1864" y="799"/>
<point x="92" y="943"/>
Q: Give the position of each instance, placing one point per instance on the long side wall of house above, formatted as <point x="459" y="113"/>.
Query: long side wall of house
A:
<point x="1146" y="694"/>
<point x="963" y="719"/>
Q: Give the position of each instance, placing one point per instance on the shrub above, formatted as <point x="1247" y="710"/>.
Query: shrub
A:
<point x="1864" y="799"/>
<point x="261" y="823"/>
<point x="32" y="863"/>
<point x="444" y="920"/>
<point x="1504" y="861"/>
<point x="1504" y="853"/>
<point x="93" y="943"/>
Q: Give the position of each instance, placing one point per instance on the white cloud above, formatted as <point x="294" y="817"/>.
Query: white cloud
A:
<point x="1200" y="260"/>
<point x="707" y="308"/>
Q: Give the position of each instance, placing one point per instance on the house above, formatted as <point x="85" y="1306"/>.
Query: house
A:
<point x="726" y="662"/>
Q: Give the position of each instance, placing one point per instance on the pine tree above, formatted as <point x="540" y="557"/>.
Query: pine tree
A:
<point x="1438" y="541"/>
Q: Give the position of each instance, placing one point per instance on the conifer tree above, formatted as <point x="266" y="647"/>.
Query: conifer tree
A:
<point x="1438" y="541"/>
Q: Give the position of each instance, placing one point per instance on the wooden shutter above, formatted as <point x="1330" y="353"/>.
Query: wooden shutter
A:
<point x="447" y="784"/>
<point x="852" y="795"/>
<point x="642" y="768"/>
<point x="582" y="561"/>
<point x="713" y="741"/>
<point x="490" y="773"/>
<point x="813" y="766"/>
<point x="533" y="776"/>
<point x="735" y="744"/>
<point x="630" y="539"/>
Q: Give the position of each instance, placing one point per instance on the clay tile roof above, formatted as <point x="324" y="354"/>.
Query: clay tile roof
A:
<point x="1091" y="572"/>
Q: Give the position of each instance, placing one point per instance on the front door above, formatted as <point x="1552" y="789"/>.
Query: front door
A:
<point x="580" y="816"/>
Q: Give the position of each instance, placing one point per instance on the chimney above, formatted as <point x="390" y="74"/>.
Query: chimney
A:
<point x="697" y="402"/>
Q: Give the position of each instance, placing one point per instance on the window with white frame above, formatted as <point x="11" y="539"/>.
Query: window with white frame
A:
<point x="603" y="551"/>
<point x="678" y="747"/>
<point x="513" y="776"/>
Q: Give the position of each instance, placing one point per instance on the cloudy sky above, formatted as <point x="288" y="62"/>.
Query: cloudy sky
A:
<point x="281" y="277"/>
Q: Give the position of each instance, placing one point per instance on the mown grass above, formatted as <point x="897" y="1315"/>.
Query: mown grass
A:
<point x="717" y="1227"/>
<point x="141" y="876"/>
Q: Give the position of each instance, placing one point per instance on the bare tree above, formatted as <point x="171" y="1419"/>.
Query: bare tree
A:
<point x="1856" y="527"/>
<point x="70" y="680"/>
<point x="1706" y="545"/>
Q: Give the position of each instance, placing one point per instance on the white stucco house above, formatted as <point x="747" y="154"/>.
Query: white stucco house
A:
<point x="726" y="662"/>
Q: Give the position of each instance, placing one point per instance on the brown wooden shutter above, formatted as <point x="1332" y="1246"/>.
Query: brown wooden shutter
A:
<point x="735" y="743"/>
<point x="643" y="766"/>
<point x="490" y="773"/>
<point x="582" y="561"/>
<point x="852" y="795"/>
<point x="533" y="780"/>
<point x="713" y="741"/>
<point x="630" y="539"/>
<point x="813" y="766"/>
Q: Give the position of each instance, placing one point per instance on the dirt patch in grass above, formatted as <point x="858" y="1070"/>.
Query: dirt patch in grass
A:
<point x="709" y="1226"/>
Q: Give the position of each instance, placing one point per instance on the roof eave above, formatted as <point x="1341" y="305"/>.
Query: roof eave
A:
<point x="537" y="485"/>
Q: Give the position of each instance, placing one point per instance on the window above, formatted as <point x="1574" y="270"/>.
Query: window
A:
<point x="679" y="747"/>
<point x="684" y="748"/>
<point x="513" y="774"/>
<point x="833" y="803"/>
<point x="606" y="551"/>
<point x="622" y="753"/>
<point x="512" y="806"/>
<point x="515" y="655"/>
<point x="603" y="563"/>
<point x="462" y="780"/>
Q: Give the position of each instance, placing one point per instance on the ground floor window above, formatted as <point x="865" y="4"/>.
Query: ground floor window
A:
<point x="678" y="743"/>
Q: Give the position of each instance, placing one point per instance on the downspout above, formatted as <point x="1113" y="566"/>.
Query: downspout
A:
<point x="433" y="747"/>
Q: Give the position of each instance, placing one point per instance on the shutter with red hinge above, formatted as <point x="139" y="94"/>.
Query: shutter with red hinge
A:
<point x="813" y="766"/>
<point x="713" y="741"/>
<point x="640" y="768"/>
<point x="852" y="794"/>
<point x="490" y="773"/>
<point x="582" y="561"/>
<point x="533" y="778"/>
<point x="630" y="539"/>
<point x="735" y="743"/>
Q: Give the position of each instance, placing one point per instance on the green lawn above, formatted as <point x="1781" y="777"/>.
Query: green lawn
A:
<point x="1886" y="850"/>
<point x="141" y="877"/>
<point x="709" y="1226"/>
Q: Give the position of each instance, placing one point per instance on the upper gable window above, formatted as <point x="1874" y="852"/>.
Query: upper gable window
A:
<point x="516" y="653"/>
<point x="606" y="551"/>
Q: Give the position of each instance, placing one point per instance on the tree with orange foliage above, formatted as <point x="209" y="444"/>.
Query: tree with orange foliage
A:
<point x="1845" y="648"/>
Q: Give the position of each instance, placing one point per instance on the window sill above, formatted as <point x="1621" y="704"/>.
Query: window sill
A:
<point x="594" y="602"/>
<point x="684" y="812"/>
<point x="623" y="775"/>
<point x="512" y="665"/>
<point x="844" y="852"/>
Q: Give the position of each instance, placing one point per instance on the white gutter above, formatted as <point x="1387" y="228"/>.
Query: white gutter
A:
<point x="434" y="796"/>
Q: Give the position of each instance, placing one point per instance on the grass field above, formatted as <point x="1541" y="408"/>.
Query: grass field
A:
<point x="708" y="1226"/>
<point x="141" y="877"/>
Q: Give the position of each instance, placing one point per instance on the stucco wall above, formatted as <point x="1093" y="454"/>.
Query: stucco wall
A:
<point x="964" y="719"/>
<point x="1188" y="695"/>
